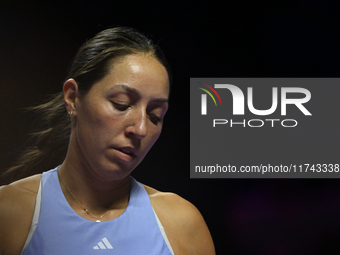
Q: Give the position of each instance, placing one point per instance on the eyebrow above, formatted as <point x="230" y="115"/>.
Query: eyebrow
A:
<point x="136" y="92"/>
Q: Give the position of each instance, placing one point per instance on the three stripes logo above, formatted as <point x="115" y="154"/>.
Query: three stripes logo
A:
<point x="105" y="244"/>
<point x="204" y="97"/>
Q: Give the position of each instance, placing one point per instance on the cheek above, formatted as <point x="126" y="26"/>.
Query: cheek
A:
<point x="94" y="126"/>
<point x="94" y="113"/>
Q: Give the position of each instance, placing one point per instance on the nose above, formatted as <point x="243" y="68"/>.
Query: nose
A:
<point x="138" y="126"/>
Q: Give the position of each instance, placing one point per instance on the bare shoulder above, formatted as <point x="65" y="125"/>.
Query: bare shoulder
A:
<point x="183" y="223"/>
<point x="17" y="202"/>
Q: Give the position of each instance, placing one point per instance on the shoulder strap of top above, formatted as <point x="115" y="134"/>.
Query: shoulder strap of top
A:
<point x="161" y="228"/>
<point x="35" y="218"/>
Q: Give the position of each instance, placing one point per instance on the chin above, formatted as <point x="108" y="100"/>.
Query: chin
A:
<point x="116" y="173"/>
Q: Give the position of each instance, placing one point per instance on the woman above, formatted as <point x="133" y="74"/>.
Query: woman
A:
<point x="116" y="97"/>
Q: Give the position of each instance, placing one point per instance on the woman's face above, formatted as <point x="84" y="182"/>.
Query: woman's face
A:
<point x="121" y="117"/>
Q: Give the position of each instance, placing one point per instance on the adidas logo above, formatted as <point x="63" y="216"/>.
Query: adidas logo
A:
<point x="105" y="244"/>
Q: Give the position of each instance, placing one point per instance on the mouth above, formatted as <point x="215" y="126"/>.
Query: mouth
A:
<point x="127" y="153"/>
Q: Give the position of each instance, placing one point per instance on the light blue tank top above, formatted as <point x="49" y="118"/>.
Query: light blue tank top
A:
<point x="60" y="230"/>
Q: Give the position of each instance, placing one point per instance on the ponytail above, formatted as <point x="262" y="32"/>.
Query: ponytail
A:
<point x="50" y="143"/>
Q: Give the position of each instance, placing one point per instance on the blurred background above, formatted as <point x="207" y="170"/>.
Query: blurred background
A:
<point x="38" y="40"/>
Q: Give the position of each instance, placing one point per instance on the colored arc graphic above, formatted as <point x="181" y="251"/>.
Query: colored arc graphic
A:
<point x="218" y="96"/>
<point x="209" y="95"/>
<point x="214" y="92"/>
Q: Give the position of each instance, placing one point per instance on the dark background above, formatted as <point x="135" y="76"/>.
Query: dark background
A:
<point x="200" y="39"/>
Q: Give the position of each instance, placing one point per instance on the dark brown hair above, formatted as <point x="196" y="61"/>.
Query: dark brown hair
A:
<point x="91" y="64"/>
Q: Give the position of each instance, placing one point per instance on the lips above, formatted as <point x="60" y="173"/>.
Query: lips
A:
<point x="126" y="153"/>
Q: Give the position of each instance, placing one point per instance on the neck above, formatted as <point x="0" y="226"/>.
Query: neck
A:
<point x="98" y="195"/>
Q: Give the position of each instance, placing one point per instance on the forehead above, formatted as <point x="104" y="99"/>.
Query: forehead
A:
<point x="140" y="72"/>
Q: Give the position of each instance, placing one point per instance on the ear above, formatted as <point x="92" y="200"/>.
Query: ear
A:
<point x="70" y="89"/>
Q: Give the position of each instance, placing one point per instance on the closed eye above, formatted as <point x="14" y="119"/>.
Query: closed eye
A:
<point x="120" y="107"/>
<point x="154" y="119"/>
